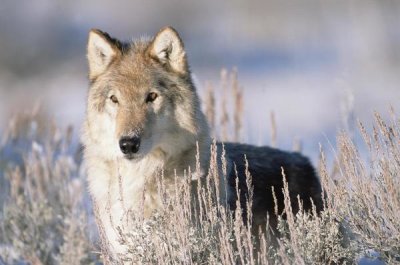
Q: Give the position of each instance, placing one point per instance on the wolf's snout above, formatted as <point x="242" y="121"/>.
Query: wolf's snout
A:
<point x="129" y="145"/>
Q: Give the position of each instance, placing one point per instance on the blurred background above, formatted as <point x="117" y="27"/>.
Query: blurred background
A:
<point x="316" y="64"/>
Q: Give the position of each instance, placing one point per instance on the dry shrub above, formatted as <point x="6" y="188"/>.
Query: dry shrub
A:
<point x="43" y="217"/>
<point x="362" y="203"/>
<point x="44" y="221"/>
<point x="370" y="188"/>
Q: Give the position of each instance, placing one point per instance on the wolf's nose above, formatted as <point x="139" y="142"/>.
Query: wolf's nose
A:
<point x="129" y="145"/>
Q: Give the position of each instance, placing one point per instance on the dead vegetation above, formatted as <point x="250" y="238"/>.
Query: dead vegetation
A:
<point x="46" y="217"/>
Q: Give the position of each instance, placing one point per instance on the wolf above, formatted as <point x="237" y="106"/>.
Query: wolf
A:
<point x="143" y="115"/>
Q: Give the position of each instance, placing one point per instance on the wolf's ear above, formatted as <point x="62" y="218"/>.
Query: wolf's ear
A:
<point x="167" y="48"/>
<point x="101" y="51"/>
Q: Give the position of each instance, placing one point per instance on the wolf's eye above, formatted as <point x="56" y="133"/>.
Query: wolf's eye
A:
<point x="151" y="97"/>
<point x="114" y="99"/>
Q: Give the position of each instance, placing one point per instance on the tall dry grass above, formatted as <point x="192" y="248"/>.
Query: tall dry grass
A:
<point x="43" y="218"/>
<point x="44" y="213"/>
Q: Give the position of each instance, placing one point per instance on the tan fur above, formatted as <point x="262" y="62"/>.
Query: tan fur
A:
<point x="169" y="127"/>
<point x="122" y="76"/>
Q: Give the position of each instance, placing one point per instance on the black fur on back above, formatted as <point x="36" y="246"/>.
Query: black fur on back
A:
<point x="265" y="165"/>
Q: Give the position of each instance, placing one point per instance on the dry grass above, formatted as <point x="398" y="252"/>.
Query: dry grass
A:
<point x="44" y="216"/>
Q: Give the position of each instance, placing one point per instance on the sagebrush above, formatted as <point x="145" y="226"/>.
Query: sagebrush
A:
<point x="46" y="217"/>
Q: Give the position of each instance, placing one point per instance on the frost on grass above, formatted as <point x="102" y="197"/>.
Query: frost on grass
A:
<point x="44" y="220"/>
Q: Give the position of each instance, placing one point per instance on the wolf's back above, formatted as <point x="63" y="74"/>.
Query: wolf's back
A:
<point x="264" y="165"/>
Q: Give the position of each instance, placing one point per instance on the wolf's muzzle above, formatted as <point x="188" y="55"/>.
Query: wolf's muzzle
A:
<point x="129" y="145"/>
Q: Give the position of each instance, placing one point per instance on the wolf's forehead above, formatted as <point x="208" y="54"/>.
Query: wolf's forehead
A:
<point x="132" y="79"/>
<point x="133" y="71"/>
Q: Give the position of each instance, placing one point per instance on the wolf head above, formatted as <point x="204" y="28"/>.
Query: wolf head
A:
<point x="141" y="97"/>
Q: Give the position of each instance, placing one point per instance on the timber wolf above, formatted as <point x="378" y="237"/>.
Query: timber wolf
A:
<point x="143" y="115"/>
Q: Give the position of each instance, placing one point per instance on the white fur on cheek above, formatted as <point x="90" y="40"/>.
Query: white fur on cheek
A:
<point x="107" y="145"/>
